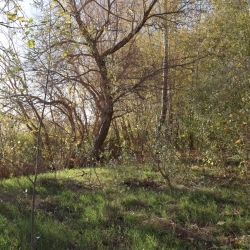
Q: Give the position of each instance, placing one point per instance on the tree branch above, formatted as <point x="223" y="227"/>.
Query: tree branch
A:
<point x="137" y="29"/>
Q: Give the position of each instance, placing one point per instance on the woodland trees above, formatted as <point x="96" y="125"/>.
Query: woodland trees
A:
<point x="221" y="86"/>
<point x="122" y="76"/>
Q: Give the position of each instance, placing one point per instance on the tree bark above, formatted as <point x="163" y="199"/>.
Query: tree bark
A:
<point x="102" y="132"/>
<point x="166" y="100"/>
<point x="164" y="97"/>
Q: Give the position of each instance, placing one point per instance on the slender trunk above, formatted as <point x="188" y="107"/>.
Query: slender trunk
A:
<point x="165" y="118"/>
<point x="165" y="85"/>
<point x="165" y="81"/>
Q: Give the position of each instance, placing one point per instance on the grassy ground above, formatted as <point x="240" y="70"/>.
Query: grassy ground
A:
<point x="122" y="207"/>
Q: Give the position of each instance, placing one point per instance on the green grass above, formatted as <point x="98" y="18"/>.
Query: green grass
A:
<point x="125" y="208"/>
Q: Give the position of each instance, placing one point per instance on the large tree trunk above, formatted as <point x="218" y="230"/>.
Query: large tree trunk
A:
<point x="102" y="132"/>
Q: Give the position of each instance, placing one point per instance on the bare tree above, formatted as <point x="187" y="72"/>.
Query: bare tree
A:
<point x="94" y="55"/>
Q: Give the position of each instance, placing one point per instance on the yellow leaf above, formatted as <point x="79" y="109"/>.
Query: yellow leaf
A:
<point x="21" y="19"/>
<point x="30" y="20"/>
<point x="62" y="13"/>
<point x="31" y="44"/>
<point x="11" y="16"/>
<point x="221" y="223"/>
<point x="64" y="54"/>
<point x="68" y="19"/>
<point x="238" y="141"/>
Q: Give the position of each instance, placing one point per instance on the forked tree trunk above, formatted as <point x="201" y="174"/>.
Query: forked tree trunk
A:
<point x="96" y="42"/>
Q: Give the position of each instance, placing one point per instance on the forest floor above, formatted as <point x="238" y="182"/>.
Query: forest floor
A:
<point x="127" y="207"/>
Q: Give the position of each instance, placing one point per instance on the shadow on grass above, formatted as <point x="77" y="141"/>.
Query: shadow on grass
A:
<point x="198" y="195"/>
<point x="221" y="197"/>
<point x="73" y="215"/>
<point x="57" y="186"/>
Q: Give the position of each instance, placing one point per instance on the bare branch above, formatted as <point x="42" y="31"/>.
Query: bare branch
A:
<point x="136" y="30"/>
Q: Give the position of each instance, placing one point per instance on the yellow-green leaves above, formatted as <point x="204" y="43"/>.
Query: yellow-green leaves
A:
<point x="21" y="19"/>
<point x="221" y="223"/>
<point x="30" y="20"/>
<point x="12" y="16"/>
<point x="31" y="43"/>
<point x="238" y="141"/>
<point x="64" y="54"/>
<point x="68" y="19"/>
